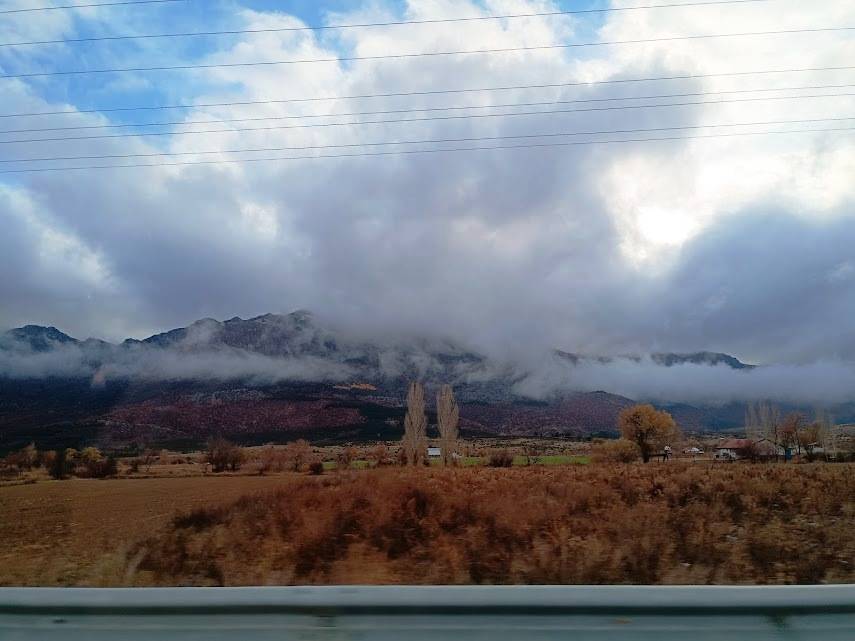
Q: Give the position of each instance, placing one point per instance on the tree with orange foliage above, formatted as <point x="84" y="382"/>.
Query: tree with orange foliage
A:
<point x="648" y="428"/>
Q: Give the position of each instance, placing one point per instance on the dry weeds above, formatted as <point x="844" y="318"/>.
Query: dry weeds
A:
<point x="646" y="524"/>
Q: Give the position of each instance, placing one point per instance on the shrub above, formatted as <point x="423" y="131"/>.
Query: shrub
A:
<point x="316" y="468"/>
<point x="379" y="455"/>
<point x="223" y="455"/>
<point x="617" y="451"/>
<point x="101" y="468"/>
<point x="501" y="458"/>
<point x="92" y="464"/>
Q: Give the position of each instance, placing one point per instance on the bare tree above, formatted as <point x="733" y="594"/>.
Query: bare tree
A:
<point x="297" y="454"/>
<point x="447" y="415"/>
<point x="753" y="422"/>
<point x="763" y="421"/>
<point x="414" y="442"/>
<point x="826" y="434"/>
<point x="791" y="430"/>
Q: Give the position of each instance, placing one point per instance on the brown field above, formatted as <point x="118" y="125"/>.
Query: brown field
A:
<point x="675" y="522"/>
<point x="65" y="532"/>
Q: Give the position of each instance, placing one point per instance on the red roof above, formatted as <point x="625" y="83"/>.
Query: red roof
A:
<point x="735" y="444"/>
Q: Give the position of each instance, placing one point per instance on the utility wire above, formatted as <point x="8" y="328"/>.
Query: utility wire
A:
<point x="429" y="118"/>
<point x="423" y="93"/>
<point x="402" y="152"/>
<point x="427" y="109"/>
<point x="401" y="56"/>
<point x="82" y="6"/>
<point x="234" y="32"/>
<point x="424" y="141"/>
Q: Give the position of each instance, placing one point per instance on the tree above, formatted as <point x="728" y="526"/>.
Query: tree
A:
<point x="29" y="457"/>
<point x="648" y="428"/>
<point x="809" y="438"/>
<point x="298" y="454"/>
<point x="447" y="415"/>
<point x="826" y="434"/>
<point x="149" y="458"/>
<point x="414" y="441"/>
<point x="223" y="455"/>
<point x="24" y="459"/>
<point x="790" y="430"/>
<point x="763" y="420"/>
<point x="58" y="468"/>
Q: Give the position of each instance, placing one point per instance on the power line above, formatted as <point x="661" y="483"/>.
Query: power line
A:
<point x="426" y="141"/>
<point x="234" y="32"/>
<point x="429" y="118"/>
<point x="400" y="56"/>
<point x="402" y="152"/>
<point x="425" y="93"/>
<point x="82" y="6"/>
<point x="427" y="109"/>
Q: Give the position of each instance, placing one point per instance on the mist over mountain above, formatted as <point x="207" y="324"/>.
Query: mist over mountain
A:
<point x="297" y="346"/>
<point x="277" y="377"/>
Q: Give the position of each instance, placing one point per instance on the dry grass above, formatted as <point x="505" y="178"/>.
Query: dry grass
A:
<point x="657" y="523"/>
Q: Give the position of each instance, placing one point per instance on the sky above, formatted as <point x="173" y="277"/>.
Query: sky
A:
<point x="737" y="243"/>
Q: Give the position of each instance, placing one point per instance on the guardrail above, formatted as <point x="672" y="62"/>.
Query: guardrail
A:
<point x="492" y="613"/>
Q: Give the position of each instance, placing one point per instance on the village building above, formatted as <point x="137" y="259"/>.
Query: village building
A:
<point x="736" y="449"/>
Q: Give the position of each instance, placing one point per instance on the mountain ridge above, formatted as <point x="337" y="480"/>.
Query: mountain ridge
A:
<point x="297" y="333"/>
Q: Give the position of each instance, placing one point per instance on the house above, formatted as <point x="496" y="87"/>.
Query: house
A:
<point x="734" y="449"/>
<point x="434" y="452"/>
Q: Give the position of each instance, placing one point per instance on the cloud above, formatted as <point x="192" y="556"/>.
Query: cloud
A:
<point x="152" y="364"/>
<point x="820" y="383"/>
<point x="734" y="244"/>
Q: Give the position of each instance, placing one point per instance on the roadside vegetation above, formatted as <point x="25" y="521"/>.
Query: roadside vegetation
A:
<point x="609" y="523"/>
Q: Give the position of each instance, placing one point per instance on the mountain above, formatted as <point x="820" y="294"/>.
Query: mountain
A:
<point x="700" y="358"/>
<point x="35" y="338"/>
<point x="666" y="359"/>
<point x="279" y="377"/>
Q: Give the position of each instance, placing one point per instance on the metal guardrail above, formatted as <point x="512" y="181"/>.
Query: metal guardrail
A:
<point x="378" y="613"/>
